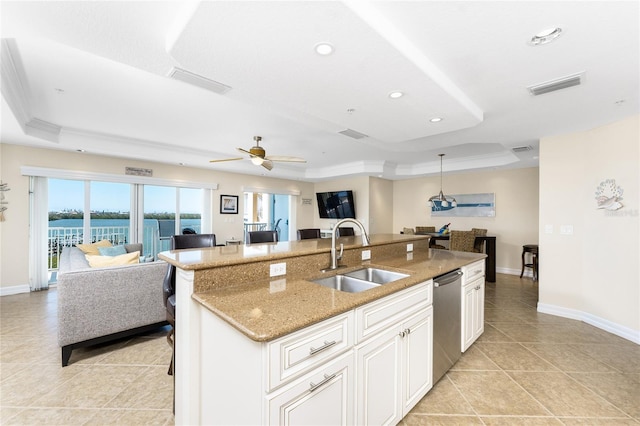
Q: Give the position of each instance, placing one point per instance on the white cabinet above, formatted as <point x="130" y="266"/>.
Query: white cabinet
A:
<point x="472" y="308"/>
<point x="394" y="366"/>
<point x="301" y="351"/>
<point x="379" y="355"/>
<point x="324" y="397"/>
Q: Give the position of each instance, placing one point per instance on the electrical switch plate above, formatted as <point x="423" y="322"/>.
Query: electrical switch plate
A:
<point x="410" y="256"/>
<point x="548" y="229"/>
<point x="277" y="269"/>
<point x="366" y="254"/>
<point x="566" y="229"/>
<point x="409" y="247"/>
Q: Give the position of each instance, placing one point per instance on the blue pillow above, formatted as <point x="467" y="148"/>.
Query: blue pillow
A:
<point x="112" y="251"/>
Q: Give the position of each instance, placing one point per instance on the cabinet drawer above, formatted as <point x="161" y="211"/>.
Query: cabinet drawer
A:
<point x="378" y="315"/>
<point x="323" y="396"/>
<point x="301" y="351"/>
<point x="472" y="271"/>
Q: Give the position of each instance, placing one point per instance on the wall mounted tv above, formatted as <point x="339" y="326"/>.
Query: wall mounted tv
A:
<point x="336" y="205"/>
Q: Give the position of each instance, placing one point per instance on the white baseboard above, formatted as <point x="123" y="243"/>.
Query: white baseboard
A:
<point x="601" y="323"/>
<point x="16" y="289"/>
<point x="510" y="271"/>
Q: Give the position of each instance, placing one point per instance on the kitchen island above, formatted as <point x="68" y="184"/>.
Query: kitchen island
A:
<point x="243" y="337"/>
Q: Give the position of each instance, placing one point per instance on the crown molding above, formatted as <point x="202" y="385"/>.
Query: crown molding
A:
<point x="14" y="88"/>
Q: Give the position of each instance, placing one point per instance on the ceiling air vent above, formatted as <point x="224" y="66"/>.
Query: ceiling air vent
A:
<point x="559" y="84"/>
<point x="198" y="80"/>
<point x="353" y="134"/>
<point x="522" y="148"/>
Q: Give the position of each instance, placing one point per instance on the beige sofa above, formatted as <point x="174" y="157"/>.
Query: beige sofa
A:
<point x="96" y="305"/>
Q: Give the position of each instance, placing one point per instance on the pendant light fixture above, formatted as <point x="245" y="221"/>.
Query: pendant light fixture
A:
<point x="444" y="200"/>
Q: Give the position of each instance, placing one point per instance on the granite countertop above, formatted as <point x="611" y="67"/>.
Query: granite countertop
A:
<point x="264" y="310"/>
<point x="196" y="259"/>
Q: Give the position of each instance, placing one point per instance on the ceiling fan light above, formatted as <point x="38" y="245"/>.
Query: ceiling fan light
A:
<point x="257" y="160"/>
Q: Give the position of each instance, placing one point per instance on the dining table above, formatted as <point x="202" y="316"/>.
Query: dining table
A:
<point x="489" y="249"/>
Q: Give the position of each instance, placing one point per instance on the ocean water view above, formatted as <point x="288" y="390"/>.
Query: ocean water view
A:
<point x="68" y="232"/>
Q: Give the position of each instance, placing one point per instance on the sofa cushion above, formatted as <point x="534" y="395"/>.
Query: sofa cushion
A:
<point x="93" y="248"/>
<point x="112" y="251"/>
<point x="103" y="261"/>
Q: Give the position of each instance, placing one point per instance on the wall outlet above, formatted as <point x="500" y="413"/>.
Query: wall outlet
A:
<point x="277" y="285"/>
<point x="410" y="256"/>
<point x="409" y="247"/>
<point x="277" y="269"/>
<point x="366" y="254"/>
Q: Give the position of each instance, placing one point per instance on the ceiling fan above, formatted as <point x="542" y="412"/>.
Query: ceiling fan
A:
<point x="258" y="156"/>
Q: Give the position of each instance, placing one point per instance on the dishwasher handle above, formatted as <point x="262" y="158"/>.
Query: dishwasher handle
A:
<point x="449" y="278"/>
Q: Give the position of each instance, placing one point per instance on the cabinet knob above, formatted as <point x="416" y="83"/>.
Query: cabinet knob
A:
<point x="402" y="334"/>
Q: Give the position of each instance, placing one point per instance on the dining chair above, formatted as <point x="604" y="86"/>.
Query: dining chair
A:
<point x="478" y="246"/>
<point x="179" y="242"/>
<point x="262" y="237"/>
<point x="425" y="229"/>
<point x="345" y="231"/>
<point x="462" y="241"/>
<point x="308" y="233"/>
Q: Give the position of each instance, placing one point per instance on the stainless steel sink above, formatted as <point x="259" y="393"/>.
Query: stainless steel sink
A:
<point x="345" y="283"/>
<point x="375" y="275"/>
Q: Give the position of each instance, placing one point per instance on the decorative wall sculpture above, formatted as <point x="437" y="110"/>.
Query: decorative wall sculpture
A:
<point x="608" y="195"/>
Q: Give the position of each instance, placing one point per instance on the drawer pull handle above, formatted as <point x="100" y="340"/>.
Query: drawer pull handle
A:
<point x="327" y="345"/>
<point x="478" y="288"/>
<point x="313" y="387"/>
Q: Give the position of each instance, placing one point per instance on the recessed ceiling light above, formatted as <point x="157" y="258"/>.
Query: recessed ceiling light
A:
<point x="436" y="119"/>
<point x="396" y="95"/>
<point x="324" y="49"/>
<point x="545" y="36"/>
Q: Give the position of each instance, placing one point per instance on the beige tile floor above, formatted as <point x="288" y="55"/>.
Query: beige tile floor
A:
<point x="527" y="369"/>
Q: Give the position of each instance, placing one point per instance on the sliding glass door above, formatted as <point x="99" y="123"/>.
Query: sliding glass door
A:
<point x="86" y="211"/>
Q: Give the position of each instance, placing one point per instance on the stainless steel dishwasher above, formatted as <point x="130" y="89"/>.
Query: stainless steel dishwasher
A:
<point x="446" y="322"/>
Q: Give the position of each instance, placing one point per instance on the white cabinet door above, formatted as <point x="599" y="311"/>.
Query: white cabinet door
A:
<point x="418" y="353"/>
<point x="472" y="312"/>
<point x="478" y="313"/>
<point x="378" y="388"/>
<point x="323" y="397"/>
<point x="394" y="370"/>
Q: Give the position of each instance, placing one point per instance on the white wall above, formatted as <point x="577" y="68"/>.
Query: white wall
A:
<point x="360" y="187"/>
<point x="515" y="222"/>
<point x="14" y="237"/>
<point x="593" y="274"/>
<point x="381" y="208"/>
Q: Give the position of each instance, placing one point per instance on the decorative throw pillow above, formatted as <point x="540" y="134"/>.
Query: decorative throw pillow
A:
<point x="112" y="251"/>
<point x="97" y="261"/>
<point x="408" y="231"/>
<point x="93" y="248"/>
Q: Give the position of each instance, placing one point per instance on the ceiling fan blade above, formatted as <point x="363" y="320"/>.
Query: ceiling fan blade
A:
<point x="267" y="164"/>
<point x="285" y="158"/>
<point x="244" y="151"/>
<point x="225" y="159"/>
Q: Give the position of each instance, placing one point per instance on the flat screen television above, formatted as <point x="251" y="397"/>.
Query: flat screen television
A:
<point x="336" y="205"/>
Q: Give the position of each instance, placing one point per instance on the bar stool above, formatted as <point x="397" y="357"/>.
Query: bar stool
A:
<point x="533" y="249"/>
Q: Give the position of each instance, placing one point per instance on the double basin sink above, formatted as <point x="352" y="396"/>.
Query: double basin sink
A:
<point x="360" y="279"/>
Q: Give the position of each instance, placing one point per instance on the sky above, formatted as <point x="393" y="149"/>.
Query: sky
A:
<point x="115" y="197"/>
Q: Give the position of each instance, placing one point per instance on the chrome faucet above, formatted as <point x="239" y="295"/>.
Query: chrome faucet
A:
<point x="334" y="256"/>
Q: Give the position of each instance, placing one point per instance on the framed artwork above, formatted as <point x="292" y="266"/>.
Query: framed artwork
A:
<point x="228" y="204"/>
<point x="469" y="205"/>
